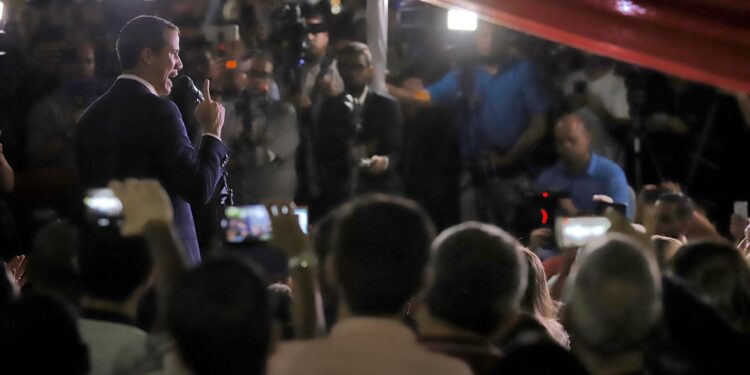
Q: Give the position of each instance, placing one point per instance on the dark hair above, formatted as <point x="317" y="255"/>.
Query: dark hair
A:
<point x="138" y="34"/>
<point x="219" y="316"/>
<point x="356" y="48"/>
<point x="717" y="272"/>
<point x="112" y="267"/>
<point x="684" y="205"/>
<point x="478" y="276"/>
<point x="52" y="264"/>
<point x="380" y="247"/>
<point x="40" y="335"/>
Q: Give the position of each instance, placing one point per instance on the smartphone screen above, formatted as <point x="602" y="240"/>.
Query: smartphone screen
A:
<point x="252" y="223"/>
<point x="740" y="208"/>
<point x="579" y="231"/>
<point x="102" y="206"/>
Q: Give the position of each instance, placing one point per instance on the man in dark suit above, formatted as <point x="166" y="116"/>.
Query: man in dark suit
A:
<point x="133" y="131"/>
<point x="358" y="136"/>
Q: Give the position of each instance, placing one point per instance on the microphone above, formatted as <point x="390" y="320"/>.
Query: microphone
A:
<point x="186" y="85"/>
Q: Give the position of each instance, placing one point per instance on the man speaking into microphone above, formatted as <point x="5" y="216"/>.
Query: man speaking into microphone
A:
<point x="133" y="130"/>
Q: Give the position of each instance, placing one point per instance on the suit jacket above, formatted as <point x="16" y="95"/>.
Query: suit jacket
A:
<point x="129" y="132"/>
<point x="335" y="140"/>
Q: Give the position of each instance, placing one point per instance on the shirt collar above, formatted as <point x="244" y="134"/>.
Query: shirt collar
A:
<point x="370" y="328"/>
<point x="134" y="77"/>
<point x="361" y="98"/>
<point x="592" y="164"/>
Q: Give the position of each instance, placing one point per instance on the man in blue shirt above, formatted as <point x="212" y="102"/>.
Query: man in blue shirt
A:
<point x="500" y="118"/>
<point x="580" y="173"/>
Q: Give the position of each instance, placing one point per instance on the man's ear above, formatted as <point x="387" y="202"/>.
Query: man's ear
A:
<point x="147" y="56"/>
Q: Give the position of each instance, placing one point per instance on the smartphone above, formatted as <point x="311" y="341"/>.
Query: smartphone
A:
<point x="601" y="207"/>
<point x="740" y="208"/>
<point x="102" y="207"/>
<point x="579" y="231"/>
<point x="226" y="33"/>
<point x="252" y="223"/>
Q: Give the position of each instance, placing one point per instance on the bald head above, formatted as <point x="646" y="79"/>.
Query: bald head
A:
<point x="572" y="140"/>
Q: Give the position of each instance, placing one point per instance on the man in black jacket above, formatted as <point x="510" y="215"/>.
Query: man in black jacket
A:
<point x="358" y="136"/>
<point x="133" y="131"/>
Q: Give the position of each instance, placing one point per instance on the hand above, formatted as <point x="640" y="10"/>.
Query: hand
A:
<point x="209" y="113"/>
<point x="567" y="206"/>
<point x="603" y="198"/>
<point x="143" y="201"/>
<point x="17" y="269"/>
<point x="378" y="164"/>
<point x="287" y="235"/>
<point x="671" y="186"/>
<point x="301" y="101"/>
<point x="621" y="225"/>
<point x="413" y="84"/>
<point x="540" y="237"/>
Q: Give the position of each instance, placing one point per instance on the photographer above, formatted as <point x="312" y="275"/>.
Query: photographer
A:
<point x="264" y="135"/>
<point x="318" y="79"/>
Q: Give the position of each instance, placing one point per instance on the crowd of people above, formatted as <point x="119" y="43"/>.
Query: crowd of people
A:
<point x="432" y="247"/>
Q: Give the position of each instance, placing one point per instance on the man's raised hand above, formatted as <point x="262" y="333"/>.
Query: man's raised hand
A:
<point x="210" y="113"/>
<point x="143" y="201"/>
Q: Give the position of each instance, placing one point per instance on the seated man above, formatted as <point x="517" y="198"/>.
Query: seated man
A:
<point x="380" y="248"/>
<point x="478" y="277"/>
<point x="580" y="173"/>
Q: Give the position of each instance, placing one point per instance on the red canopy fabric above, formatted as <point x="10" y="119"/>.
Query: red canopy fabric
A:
<point x="701" y="40"/>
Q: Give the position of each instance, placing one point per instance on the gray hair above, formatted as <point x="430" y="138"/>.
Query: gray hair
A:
<point x="615" y="298"/>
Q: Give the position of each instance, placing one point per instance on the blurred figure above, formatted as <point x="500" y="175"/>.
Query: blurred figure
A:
<point x="477" y="276"/>
<point x="220" y="318"/>
<point x="53" y="263"/>
<point x="40" y="336"/>
<point x="264" y="136"/>
<point x="598" y="94"/>
<point x="380" y="249"/>
<point x="500" y="107"/>
<point x="720" y="276"/>
<point x="613" y="306"/>
<point x="538" y="303"/>
<point x="580" y="174"/>
<point x="52" y="121"/>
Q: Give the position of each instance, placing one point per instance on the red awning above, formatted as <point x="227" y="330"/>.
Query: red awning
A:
<point x="701" y="40"/>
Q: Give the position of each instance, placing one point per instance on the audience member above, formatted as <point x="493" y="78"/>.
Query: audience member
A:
<point x="220" y="318"/>
<point x="717" y="273"/>
<point x="40" y="336"/>
<point x="477" y="278"/>
<point x="359" y="137"/>
<point x="53" y="263"/>
<point x="538" y="303"/>
<point x="580" y="174"/>
<point x="380" y="249"/>
<point x="613" y="306"/>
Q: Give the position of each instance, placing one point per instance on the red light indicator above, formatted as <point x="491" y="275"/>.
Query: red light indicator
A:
<point x="545" y="194"/>
<point x="545" y="216"/>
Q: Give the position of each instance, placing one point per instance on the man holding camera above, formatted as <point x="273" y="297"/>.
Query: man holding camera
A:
<point x="319" y="80"/>
<point x="132" y="131"/>
<point x="264" y="137"/>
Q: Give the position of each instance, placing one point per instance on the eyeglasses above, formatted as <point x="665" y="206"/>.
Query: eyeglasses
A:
<point x="352" y="67"/>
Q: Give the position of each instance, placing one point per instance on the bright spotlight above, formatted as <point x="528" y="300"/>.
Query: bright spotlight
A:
<point x="463" y="20"/>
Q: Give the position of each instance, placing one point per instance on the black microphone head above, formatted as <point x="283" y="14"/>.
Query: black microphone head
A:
<point x="194" y="92"/>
